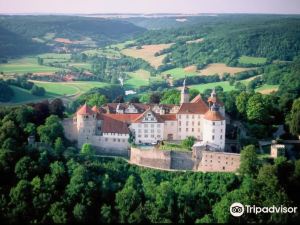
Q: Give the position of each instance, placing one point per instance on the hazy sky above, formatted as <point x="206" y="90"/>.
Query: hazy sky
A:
<point x="150" y="6"/>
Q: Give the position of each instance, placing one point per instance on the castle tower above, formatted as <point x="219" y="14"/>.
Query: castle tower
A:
<point x="213" y="99"/>
<point x="86" y="124"/>
<point x="214" y="126"/>
<point x="185" y="96"/>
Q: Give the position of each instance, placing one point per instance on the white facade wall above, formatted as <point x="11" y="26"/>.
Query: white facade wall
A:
<point x="214" y="132"/>
<point x="189" y="125"/>
<point x="170" y="129"/>
<point x="148" y="132"/>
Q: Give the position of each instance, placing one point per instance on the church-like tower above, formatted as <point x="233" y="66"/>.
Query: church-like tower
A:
<point x="185" y="96"/>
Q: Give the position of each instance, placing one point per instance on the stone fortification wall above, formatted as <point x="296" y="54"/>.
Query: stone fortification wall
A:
<point x="182" y="160"/>
<point x="151" y="158"/>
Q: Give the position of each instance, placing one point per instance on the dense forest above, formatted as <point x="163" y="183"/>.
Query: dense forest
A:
<point x="51" y="181"/>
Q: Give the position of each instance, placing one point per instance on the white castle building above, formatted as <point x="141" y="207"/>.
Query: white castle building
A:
<point x="109" y="127"/>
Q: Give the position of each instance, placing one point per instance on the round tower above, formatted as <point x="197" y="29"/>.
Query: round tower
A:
<point x="214" y="128"/>
<point x="86" y="124"/>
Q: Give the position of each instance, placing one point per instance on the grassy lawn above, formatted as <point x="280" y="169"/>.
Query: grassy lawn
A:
<point x="173" y="147"/>
<point x="224" y="84"/>
<point x="252" y="60"/>
<point x="138" y="78"/>
<point x="25" y="65"/>
<point x="178" y="73"/>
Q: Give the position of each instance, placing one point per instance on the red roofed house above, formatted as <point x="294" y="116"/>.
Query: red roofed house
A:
<point x="109" y="127"/>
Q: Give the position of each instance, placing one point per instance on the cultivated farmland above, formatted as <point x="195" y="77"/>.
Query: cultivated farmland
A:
<point x="147" y="52"/>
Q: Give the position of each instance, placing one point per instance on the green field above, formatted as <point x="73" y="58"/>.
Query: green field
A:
<point x="122" y="45"/>
<point x="178" y="73"/>
<point x="224" y="84"/>
<point x="23" y="95"/>
<point x="69" y="88"/>
<point x="267" y="88"/>
<point x="252" y="60"/>
<point x="137" y="79"/>
<point x="25" y="65"/>
<point x="107" y="52"/>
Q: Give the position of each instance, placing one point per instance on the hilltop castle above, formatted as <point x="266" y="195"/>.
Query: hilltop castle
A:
<point x="109" y="127"/>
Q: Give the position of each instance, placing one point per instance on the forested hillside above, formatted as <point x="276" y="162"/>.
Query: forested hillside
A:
<point x="37" y="31"/>
<point x="228" y="37"/>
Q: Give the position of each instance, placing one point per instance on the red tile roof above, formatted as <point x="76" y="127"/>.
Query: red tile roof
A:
<point x="198" y="107"/>
<point x="85" y="110"/>
<point x="96" y="109"/>
<point x="168" y="117"/>
<point x="128" y="118"/>
<point x="213" y="116"/>
<point x="111" y="125"/>
<point x="198" y="98"/>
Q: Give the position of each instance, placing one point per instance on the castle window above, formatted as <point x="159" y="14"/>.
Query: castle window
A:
<point x="152" y="131"/>
<point x="123" y="140"/>
<point x="221" y="137"/>
<point x="210" y="160"/>
<point x="152" y="125"/>
<point x="213" y="123"/>
<point x="118" y="139"/>
<point x="139" y="135"/>
<point x="179" y="123"/>
<point x="192" y="129"/>
<point x="146" y="135"/>
<point x="179" y="116"/>
<point x="213" y="137"/>
<point x="152" y="135"/>
<point x="179" y="129"/>
<point x="187" y="129"/>
<point x="158" y="136"/>
<point x="145" y="131"/>
<point x="198" y="129"/>
<point x="187" y="123"/>
<point x="158" y="125"/>
<point x="193" y="123"/>
<point x="221" y="122"/>
<point x="213" y="130"/>
<point x="198" y="123"/>
<point x="106" y="139"/>
<point x="187" y="116"/>
<point x="114" y="140"/>
<point x="223" y="167"/>
<point x="192" y="116"/>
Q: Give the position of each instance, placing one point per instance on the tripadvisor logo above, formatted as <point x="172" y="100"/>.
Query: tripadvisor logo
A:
<point x="237" y="209"/>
